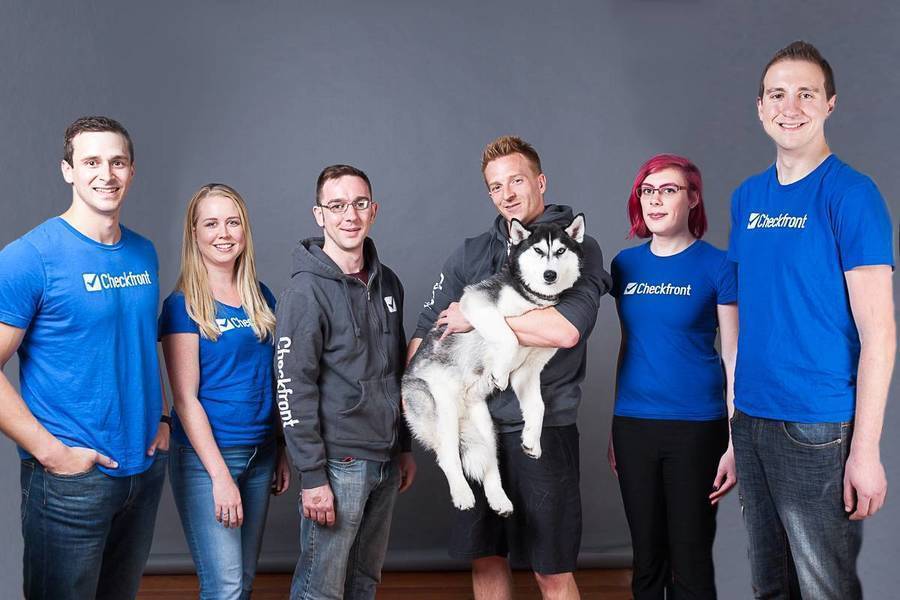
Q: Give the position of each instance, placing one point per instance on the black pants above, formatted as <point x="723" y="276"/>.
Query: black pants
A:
<point x="666" y="472"/>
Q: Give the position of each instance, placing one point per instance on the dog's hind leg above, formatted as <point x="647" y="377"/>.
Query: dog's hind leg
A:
<point x="483" y="455"/>
<point x="447" y="447"/>
<point x="526" y="382"/>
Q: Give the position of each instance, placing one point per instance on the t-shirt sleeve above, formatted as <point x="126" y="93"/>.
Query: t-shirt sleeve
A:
<point x="733" y="236"/>
<point x="726" y="282"/>
<point x="174" y="317"/>
<point x="579" y="305"/>
<point x="862" y="227"/>
<point x="447" y="289"/>
<point x="22" y="283"/>
<point x="615" y="269"/>
<point x="268" y="295"/>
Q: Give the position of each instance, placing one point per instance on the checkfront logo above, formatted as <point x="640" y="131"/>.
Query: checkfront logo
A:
<point x="636" y="288"/>
<point x="283" y="389"/>
<point x="233" y="323"/>
<point x="97" y="282"/>
<point x="782" y="221"/>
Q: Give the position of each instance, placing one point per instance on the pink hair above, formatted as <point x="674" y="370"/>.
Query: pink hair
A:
<point x="697" y="218"/>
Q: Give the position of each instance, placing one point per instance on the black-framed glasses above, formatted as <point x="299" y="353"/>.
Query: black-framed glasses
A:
<point x="340" y="208"/>
<point x="668" y="190"/>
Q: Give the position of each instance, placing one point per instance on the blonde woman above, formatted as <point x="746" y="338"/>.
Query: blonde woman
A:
<point x="216" y="329"/>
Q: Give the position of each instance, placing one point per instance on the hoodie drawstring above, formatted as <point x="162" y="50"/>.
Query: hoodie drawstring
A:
<point x="346" y="287"/>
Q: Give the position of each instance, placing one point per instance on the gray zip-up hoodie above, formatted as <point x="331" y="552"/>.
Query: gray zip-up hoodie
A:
<point x="339" y="355"/>
<point x="482" y="256"/>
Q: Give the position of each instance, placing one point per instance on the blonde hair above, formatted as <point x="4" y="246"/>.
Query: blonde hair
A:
<point x="193" y="280"/>
<point x="506" y="145"/>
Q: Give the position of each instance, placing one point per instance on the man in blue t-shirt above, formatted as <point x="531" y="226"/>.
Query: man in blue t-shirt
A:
<point x="812" y="239"/>
<point x="78" y="300"/>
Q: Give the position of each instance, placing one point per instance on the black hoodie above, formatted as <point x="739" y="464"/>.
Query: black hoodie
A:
<point x="480" y="257"/>
<point x="339" y="356"/>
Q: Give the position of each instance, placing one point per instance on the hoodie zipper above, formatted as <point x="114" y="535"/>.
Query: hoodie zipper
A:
<point x="375" y="329"/>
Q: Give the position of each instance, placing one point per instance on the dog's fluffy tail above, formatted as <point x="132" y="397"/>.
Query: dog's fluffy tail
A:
<point x="419" y="410"/>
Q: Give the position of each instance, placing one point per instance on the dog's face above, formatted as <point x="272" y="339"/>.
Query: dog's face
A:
<point x="547" y="257"/>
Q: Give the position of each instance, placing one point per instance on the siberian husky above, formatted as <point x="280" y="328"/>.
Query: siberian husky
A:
<point x="447" y="383"/>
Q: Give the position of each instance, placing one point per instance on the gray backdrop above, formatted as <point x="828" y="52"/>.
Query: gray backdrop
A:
<point x="262" y="95"/>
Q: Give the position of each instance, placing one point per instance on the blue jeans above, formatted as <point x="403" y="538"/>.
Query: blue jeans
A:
<point x="87" y="535"/>
<point x="225" y="557"/>
<point x="791" y="478"/>
<point x="344" y="560"/>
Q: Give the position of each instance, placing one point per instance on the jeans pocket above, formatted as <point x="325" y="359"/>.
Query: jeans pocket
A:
<point x="813" y="435"/>
<point x="71" y="476"/>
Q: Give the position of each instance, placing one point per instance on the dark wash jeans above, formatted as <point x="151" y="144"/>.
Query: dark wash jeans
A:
<point x="791" y="478"/>
<point x="87" y="535"/>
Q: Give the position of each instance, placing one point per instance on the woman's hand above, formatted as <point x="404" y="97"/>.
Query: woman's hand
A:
<point x="611" y="455"/>
<point x="726" y="476"/>
<point x="227" y="496"/>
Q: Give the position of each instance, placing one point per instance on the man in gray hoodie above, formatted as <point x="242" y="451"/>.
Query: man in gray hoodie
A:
<point x="544" y="531"/>
<point x="338" y="361"/>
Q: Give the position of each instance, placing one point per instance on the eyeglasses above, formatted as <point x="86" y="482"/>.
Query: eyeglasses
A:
<point x="340" y="208"/>
<point x="647" y="191"/>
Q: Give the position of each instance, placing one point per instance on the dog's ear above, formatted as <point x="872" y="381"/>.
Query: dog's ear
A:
<point x="517" y="232"/>
<point x="576" y="228"/>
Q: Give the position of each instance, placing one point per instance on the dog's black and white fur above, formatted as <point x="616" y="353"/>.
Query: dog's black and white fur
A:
<point x="446" y="385"/>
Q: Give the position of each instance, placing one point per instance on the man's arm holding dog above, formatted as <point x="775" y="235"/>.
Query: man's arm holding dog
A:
<point x="559" y="326"/>
<point x="298" y="347"/>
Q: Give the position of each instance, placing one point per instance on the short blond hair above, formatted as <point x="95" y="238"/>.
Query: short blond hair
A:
<point x="510" y="144"/>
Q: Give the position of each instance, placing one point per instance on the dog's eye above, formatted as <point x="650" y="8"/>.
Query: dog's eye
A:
<point x="539" y="251"/>
<point x="561" y="251"/>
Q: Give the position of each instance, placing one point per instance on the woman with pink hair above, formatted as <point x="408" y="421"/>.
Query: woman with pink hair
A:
<point x="670" y="445"/>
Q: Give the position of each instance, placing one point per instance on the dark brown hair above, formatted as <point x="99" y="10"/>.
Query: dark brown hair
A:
<point x="805" y="51"/>
<point x="336" y="172"/>
<point x="94" y="124"/>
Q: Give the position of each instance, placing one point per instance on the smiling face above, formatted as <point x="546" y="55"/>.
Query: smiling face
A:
<point x="667" y="210"/>
<point x="348" y="230"/>
<point x="219" y="231"/>
<point x="515" y="187"/>
<point x="101" y="171"/>
<point x="794" y="106"/>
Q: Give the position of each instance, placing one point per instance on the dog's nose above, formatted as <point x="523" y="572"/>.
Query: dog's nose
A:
<point x="549" y="276"/>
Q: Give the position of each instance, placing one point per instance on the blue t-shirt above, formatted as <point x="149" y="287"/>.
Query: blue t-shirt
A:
<point x="88" y="367"/>
<point x="798" y="346"/>
<point x="667" y="307"/>
<point x="235" y="373"/>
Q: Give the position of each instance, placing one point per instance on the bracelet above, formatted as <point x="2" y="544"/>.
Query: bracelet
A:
<point x="166" y="419"/>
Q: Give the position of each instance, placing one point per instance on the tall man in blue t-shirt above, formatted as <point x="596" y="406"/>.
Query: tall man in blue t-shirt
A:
<point x="78" y="300"/>
<point x="812" y="239"/>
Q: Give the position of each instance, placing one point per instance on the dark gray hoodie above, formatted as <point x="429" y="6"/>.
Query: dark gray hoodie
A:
<point x="482" y="256"/>
<point x="339" y="355"/>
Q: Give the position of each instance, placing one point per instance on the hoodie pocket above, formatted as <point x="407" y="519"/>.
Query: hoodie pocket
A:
<point x="374" y="418"/>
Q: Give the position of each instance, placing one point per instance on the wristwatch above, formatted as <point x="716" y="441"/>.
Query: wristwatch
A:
<point x="166" y="419"/>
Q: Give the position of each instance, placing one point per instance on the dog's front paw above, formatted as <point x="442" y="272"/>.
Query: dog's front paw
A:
<point x="500" y="380"/>
<point x="463" y="498"/>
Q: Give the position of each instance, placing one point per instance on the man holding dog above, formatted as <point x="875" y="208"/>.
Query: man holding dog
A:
<point x="544" y="531"/>
<point x="812" y="240"/>
<point x="339" y="356"/>
<point x="78" y="300"/>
